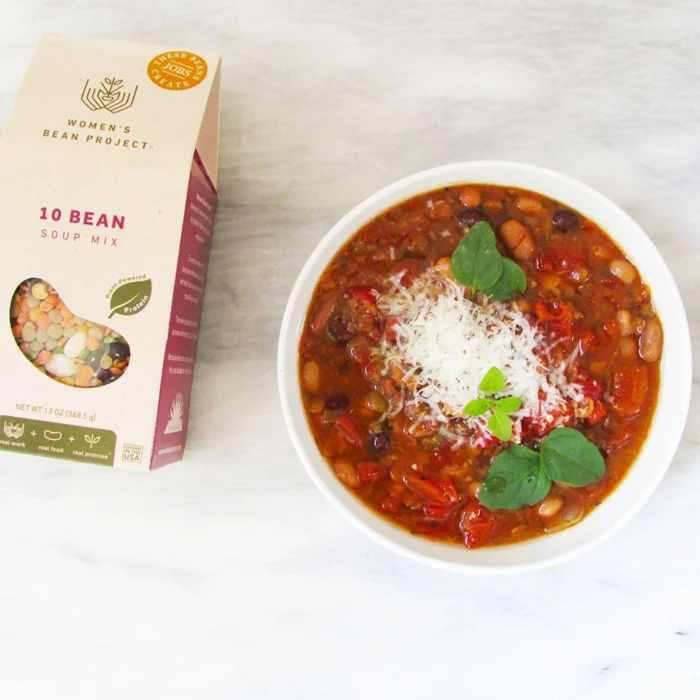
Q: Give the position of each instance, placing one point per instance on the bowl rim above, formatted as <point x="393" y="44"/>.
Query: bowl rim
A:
<point x="389" y="534"/>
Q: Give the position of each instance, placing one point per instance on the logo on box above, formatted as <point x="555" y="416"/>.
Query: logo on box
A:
<point x="132" y="453"/>
<point x="110" y="95"/>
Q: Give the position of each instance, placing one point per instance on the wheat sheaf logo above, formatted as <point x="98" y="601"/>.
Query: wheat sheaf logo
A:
<point x="110" y="95"/>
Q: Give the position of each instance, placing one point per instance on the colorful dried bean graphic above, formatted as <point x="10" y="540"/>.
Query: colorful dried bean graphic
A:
<point x="66" y="347"/>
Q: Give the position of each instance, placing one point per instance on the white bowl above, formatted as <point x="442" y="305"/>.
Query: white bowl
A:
<point x="674" y="391"/>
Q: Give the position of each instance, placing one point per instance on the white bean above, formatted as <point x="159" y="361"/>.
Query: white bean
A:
<point x="623" y="269"/>
<point x="529" y="205"/>
<point x="651" y="340"/>
<point x="624" y="322"/>
<point x="550" y="506"/>
<point x="311" y="376"/>
<point x="628" y="348"/>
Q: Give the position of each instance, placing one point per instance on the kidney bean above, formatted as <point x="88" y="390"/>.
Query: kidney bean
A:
<point x="337" y="402"/>
<point x="651" y="340"/>
<point x="337" y="331"/>
<point x="471" y="216"/>
<point x="564" y="220"/>
<point x="382" y="439"/>
<point x="118" y="350"/>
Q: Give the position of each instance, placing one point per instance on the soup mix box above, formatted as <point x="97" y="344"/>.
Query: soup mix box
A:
<point x="108" y="170"/>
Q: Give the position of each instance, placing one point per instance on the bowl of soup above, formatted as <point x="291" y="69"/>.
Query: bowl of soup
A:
<point x="486" y="366"/>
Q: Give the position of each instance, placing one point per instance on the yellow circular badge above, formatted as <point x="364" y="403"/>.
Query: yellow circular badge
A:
<point x="177" y="70"/>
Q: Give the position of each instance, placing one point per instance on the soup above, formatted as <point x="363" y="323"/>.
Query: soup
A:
<point x="480" y="365"/>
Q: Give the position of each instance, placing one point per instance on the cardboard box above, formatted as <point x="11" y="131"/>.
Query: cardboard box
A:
<point x="108" y="172"/>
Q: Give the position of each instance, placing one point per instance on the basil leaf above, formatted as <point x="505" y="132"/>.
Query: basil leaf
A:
<point x="500" y="425"/>
<point x="512" y="281"/>
<point x="493" y="382"/>
<point x="477" y="407"/>
<point x="515" y="479"/>
<point x="509" y="404"/>
<point x="476" y="262"/>
<point x="570" y="458"/>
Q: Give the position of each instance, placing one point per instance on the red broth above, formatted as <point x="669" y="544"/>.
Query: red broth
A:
<point x="582" y="294"/>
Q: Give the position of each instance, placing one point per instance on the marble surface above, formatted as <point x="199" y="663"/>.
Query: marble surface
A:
<point x="228" y="575"/>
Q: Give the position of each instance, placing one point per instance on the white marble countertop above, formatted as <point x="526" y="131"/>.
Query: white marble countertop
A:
<point x="228" y="575"/>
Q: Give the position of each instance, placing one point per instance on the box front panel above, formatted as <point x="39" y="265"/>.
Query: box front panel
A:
<point x="94" y="168"/>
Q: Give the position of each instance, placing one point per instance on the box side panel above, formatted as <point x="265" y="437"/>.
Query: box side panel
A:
<point x="181" y="345"/>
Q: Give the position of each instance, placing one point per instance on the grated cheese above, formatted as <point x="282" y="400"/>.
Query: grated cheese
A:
<point x="444" y="343"/>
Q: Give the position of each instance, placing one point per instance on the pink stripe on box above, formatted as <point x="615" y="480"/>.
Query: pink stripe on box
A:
<point x="186" y="312"/>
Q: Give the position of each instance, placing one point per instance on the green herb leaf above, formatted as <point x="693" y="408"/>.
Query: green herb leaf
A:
<point x="130" y="298"/>
<point x="500" y="425"/>
<point x="493" y="382"/>
<point x="476" y="262"/>
<point x="515" y="479"/>
<point x="512" y="281"/>
<point x="477" y="407"/>
<point x="509" y="404"/>
<point x="570" y="458"/>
